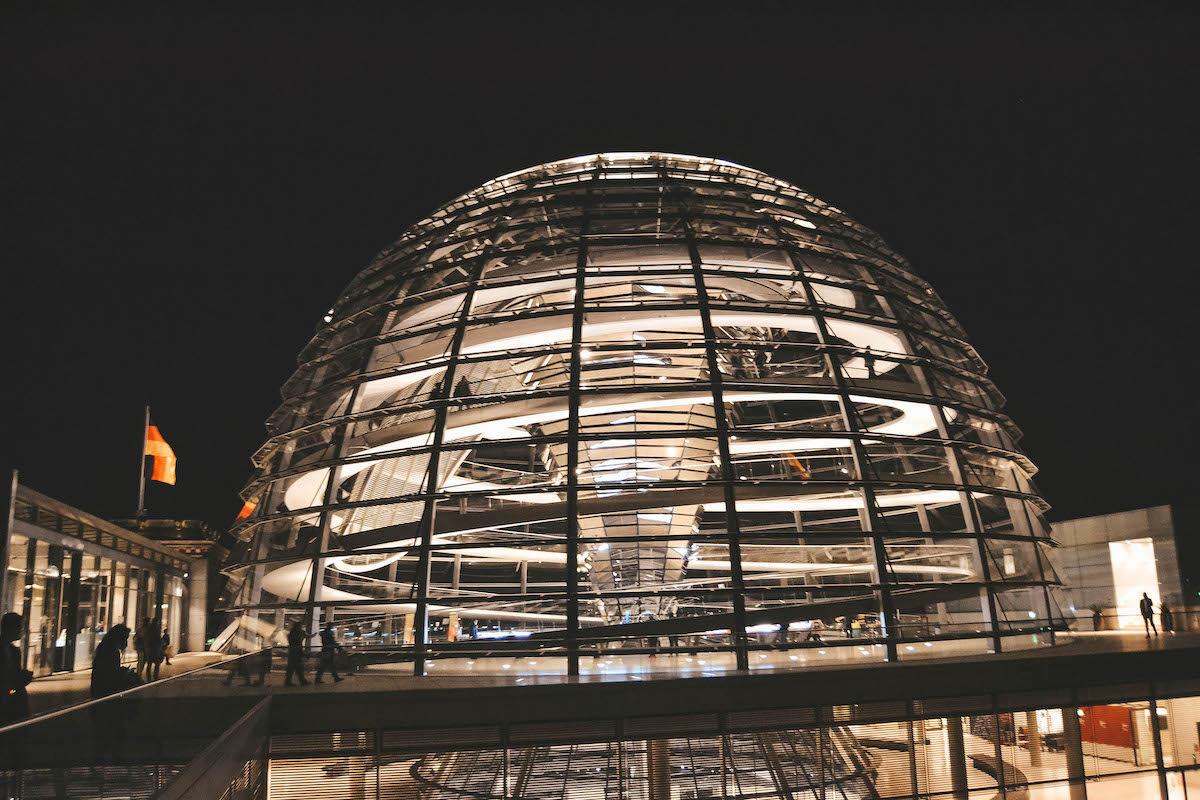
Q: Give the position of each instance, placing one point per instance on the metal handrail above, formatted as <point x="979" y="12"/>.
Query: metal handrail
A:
<point x="209" y="775"/>
<point x="126" y="693"/>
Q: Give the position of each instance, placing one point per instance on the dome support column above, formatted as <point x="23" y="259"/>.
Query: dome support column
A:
<point x="574" y="397"/>
<point x="721" y="421"/>
<point x="958" y="471"/>
<point x="432" y="489"/>
<point x="873" y="523"/>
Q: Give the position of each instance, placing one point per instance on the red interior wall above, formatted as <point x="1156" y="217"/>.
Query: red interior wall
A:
<point x="1107" y="725"/>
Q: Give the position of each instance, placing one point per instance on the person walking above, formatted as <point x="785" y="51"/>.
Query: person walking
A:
<point x="139" y="645"/>
<point x="1147" y="607"/>
<point x="295" y="655"/>
<point x="869" y="362"/>
<point x="329" y="648"/>
<point x="264" y="665"/>
<point x="14" y="699"/>
<point x="154" y="646"/>
<point x="166" y="645"/>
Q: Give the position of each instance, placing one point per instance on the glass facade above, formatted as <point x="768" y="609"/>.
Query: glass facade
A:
<point x="643" y="403"/>
<point x="71" y="581"/>
<point x="935" y="748"/>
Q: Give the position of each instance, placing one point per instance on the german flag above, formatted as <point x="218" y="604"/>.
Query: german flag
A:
<point x="164" y="456"/>
<point x="248" y="508"/>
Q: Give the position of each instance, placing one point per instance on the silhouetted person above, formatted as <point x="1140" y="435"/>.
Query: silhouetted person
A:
<point x="295" y="655"/>
<point x="1168" y="619"/>
<point x="14" y="702"/>
<point x="166" y="645"/>
<point x="154" y="653"/>
<point x="329" y="648"/>
<point x="240" y="667"/>
<point x="108" y="678"/>
<point x="264" y="665"/>
<point x="760" y="363"/>
<point x="869" y="362"/>
<point x="463" y="388"/>
<point x="1147" y="607"/>
<point x="139" y="644"/>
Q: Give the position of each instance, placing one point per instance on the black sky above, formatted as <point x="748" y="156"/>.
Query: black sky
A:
<point x="186" y="192"/>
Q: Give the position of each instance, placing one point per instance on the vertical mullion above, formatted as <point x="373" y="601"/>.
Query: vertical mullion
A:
<point x="1037" y="553"/>
<point x="732" y="525"/>
<point x="1156" y="738"/>
<point x="317" y="569"/>
<point x="574" y="393"/>
<point x="433" y="469"/>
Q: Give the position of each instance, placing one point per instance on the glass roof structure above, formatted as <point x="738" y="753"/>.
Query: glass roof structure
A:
<point x="641" y="402"/>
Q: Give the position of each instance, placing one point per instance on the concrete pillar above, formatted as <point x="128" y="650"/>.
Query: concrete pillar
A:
<point x="658" y="769"/>
<point x="452" y="627"/>
<point x="1034" y="736"/>
<point x="197" y="610"/>
<point x="409" y="619"/>
<point x="1073" y="745"/>
<point x="921" y="774"/>
<point x="958" y="757"/>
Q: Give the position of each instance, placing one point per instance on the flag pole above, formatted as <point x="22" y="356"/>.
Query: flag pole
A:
<point x="141" y="506"/>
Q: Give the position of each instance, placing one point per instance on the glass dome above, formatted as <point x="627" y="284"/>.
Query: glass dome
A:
<point x="633" y="404"/>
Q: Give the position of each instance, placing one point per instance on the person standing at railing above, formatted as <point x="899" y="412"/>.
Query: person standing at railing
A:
<point x="1147" y="607"/>
<point x="1168" y="619"/>
<point x="14" y="702"/>
<point x="108" y="678"/>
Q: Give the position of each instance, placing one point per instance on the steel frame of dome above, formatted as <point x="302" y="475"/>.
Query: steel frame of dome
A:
<point x="735" y="405"/>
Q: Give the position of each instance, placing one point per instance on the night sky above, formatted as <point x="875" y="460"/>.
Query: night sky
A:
<point x="186" y="193"/>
